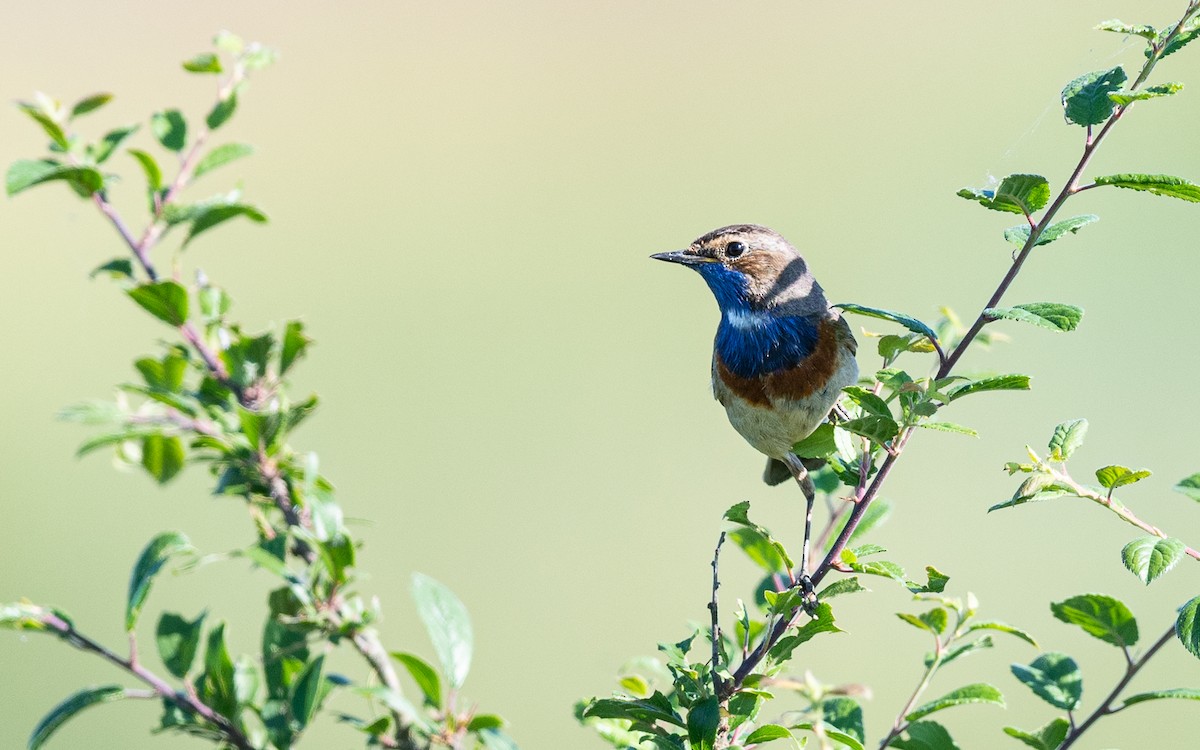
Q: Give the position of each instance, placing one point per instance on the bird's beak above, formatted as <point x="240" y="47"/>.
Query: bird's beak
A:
<point x="684" y="257"/>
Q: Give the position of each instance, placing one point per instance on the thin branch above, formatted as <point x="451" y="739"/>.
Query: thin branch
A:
<point x="899" y="724"/>
<point x="1105" y="708"/>
<point x="185" y="701"/>
<point x="716" y="624"/>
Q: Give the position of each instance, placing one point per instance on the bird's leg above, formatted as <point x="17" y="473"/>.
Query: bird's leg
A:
<point x="810" y="495"/>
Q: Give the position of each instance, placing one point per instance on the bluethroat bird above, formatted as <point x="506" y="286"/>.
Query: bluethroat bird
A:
<point x="781" y="355"/>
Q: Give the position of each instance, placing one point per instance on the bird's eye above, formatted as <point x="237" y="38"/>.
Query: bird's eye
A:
<point x="734" y="249"/>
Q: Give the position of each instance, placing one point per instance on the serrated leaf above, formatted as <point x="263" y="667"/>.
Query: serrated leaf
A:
<point x="842" y="586"/>
<point x="1182" y="39"/>
<point x="1055" y="678"/>
<point x="882" y="568"/>
<point x="24" y="174"/>
<point x="1112" y="477"/>
<point x="1019" y="235"/>
<point x="766" y="733"/>
<point x="205" y="62"/>
<point x="1190" y="694"/>
<point x="90" y="104"/>
<point x="979" y="692"/>
<point x="997" y="383"/>
<point x="424" y="675"/>
<point x="177" y="640"/>
<point x="1048" y="737"/>
<point x="1067" y="438"/>
<point x="873" y="427"/>
<point x="170" y="129"/>
<point x="948" y="427"/>
<point x="1100" y="616"/>
<point x="1156" y="184"/>
<point x="1052" y="316"/>
<point x="211" y="216"/>
<point x="67" y="710"/>
<point x="1085" y="99"/>
<point x="165" y="300"/>
<point x="1187" y="626"/>
<point x="1189" y="486"/>
<point x="448" y="625"/>
<point x="925" y="735"/>
<point x="154" y="556"/>
<point x="222" y="111"/>
<point x="1016" y="194"/>
<point x="935" y="583"/>
<point x="870" y="403"/>
<point x="907" y="321"/>
<point x="220" y="156"/>
<point x="1119" y="27"/>
<point x="1125" y="98"/>
<point x="1003" y="628"/>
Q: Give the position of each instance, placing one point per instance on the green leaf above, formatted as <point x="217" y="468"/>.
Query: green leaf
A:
<point x="51" y="127"/>
<point x="108" y="144"/>
<point x="1125" y="98"/>
<point x="870" y="403"/>
<point x="702" y="722"/>
<point x="925" y="735"/>
<point x="205" y="62"/>
<point x="1019" y="235"/>
<point x="177" y="640"/>
<point x="759" y="548"/>
<point x="222" y="111"/>
<point x="1183" y="693"/>
<point x="649" y="710"/>
<point x="842" y="586"/>
<point x="170" y="129"/>
<point x="155" y="555"/>
<point x="1100" y="616"/>
<point x="979" y="692"/>
<point x="962" y="649"/>
<point x="843" y="714"/>
<point x="307" y="693"/>
<point x="739" y="514"/>
<point x="211" y="216"/>
<point x="1146" y="32"/>
<point x="154" y="178"/>
<point x="24" y="174"/>
<point x="216" y="685"/>
<point x="448" y="626"/>
<point x="997" y="383"/>
<point x="1085" y="99"/>
<point x="1189" y="486"/>
<point x="1055" y="678"/>
<point x="948" y="427"/>
<point x="1048" y="737"/>
<point x="1016" y="193"/>
<point x="494" y="739"/>
<point x="1049" y="315"/>
<point x="881" y="568"/>
<point x="1067" y="438"/>
<point x="220" y="156"/>
<point x="66" y="710"/>
<point x="850" y="741"/>
<point x="819" y="444"/>
<point x="295" y="345"/>
<point x="89" y="104"/>
<point x="822" y="622"/>
<point x="873" y="427"/>
<point x="1112" y="477"/>
<point x="1156" y="184"/>
<point x="162" y="456"/>
<point x="1187" y="626"/>
<point x="165" y="300"/>
<point x="479" y="722"/>
<point x="424" y="675"/>
<point x="117" y="268"/>
<point x="1003" y="628"/>
<point x="1186" y="35"/>
<point x="935" y="583"/>
<point x="766" y="733"/>
<point x="907" y="321"/>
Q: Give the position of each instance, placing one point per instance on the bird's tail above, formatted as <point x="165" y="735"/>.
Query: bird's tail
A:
<point x="777" y="471"/>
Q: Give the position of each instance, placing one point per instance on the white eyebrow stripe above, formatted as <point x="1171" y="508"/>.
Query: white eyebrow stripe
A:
<point x="746" y="319"/>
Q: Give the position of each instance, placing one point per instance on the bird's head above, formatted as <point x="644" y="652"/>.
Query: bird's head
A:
<point x="750" y="267"/>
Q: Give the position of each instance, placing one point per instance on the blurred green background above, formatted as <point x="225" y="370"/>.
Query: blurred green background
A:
<point x="462" y="198"/>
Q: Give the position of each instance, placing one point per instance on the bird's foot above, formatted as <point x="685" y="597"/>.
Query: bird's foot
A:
<point x="808" y="593"/>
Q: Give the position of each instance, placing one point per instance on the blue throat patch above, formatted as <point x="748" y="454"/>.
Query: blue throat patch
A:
<point x="763" y="342"/>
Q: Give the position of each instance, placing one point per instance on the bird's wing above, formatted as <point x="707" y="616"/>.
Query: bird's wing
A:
<point x="844" y="334"/>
